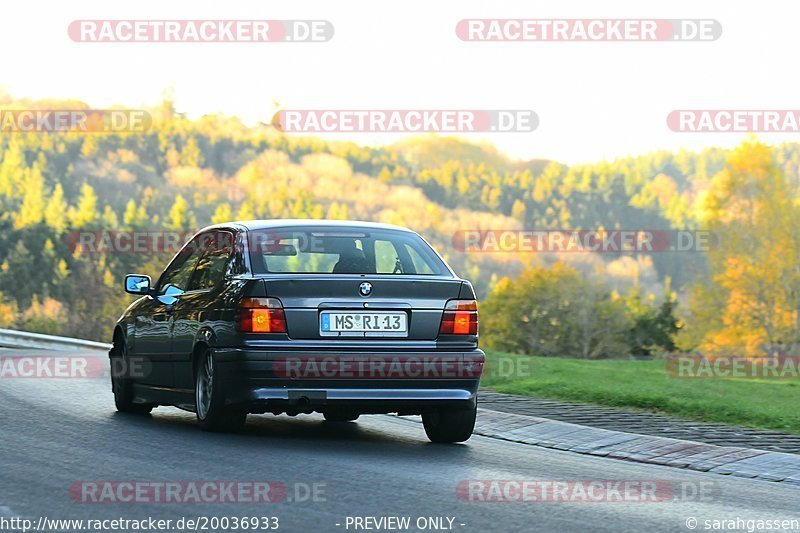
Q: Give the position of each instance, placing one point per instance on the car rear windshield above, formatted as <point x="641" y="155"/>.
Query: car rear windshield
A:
<point x="342" y="252"/>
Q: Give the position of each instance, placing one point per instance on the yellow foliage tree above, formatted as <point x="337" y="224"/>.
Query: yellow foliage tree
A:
<point x="751" y="302"/>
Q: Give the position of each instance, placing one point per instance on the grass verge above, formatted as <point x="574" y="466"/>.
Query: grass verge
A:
<point x="769" y="404"/>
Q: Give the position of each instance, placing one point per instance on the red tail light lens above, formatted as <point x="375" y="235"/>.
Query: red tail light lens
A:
<point x="460" y="317"/>
<point x="261" y="315"/>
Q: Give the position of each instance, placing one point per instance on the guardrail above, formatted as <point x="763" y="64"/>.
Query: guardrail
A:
<point x="23" y="339"/>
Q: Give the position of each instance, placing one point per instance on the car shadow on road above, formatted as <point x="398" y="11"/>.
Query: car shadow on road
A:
<point x="294" y="431"/>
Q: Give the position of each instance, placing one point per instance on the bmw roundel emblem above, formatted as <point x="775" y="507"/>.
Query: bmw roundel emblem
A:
<point x="365" y="288"/>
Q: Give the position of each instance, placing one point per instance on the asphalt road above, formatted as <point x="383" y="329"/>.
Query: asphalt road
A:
<point x="56" y="432"/>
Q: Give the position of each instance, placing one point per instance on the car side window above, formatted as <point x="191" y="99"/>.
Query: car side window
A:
<point x="210" y="268"/>
<point x="180" y="270"/>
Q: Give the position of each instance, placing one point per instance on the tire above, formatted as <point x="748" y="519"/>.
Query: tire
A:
<point x="449" y="425"/>
<point x="340" y="416"/>
<point x="121" y="384"/>
<point x="212" y="413"/>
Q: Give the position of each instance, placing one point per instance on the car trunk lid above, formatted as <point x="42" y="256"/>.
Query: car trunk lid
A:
<point x="306" y="298"/>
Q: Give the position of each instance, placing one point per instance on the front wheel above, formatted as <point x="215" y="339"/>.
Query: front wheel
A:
<point x="449" y="425"/>
<point x="122" y="385"/>
<point x="212" y="413"/>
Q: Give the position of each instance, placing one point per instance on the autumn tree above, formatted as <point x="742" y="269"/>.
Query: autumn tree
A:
<point x="223" y="213"/>
<point x="55" y="212"/>
<point x="750" y="301"/>
<point x="180" y="216"/>
<point x="85" y="213"/>
<point x="33" y="203"/>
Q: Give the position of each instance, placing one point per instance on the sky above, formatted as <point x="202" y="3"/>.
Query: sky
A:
<point x="595" y="100"/>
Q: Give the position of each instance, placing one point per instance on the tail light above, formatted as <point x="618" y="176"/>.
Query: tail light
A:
<point x="460" y="318"/>
<point x="261" y="315"/>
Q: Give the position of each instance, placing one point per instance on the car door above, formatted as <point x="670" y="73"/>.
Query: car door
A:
<point x="200" y="305"/>
<point x="153" y="326"/>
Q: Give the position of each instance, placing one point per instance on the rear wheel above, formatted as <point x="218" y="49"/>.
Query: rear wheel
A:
<point x="340" y="416"/>
<point x="212" y="413"/>
<point x="449" y="425"/>
<point x="121" y="383"/>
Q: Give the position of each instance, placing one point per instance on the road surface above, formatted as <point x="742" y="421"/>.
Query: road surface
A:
<point x="62" y="433"/>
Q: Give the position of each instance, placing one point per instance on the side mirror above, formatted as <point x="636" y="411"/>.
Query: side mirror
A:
<point x="137" y="284"/>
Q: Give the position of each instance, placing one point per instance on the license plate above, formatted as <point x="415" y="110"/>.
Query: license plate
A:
<point x="372" y="324"/>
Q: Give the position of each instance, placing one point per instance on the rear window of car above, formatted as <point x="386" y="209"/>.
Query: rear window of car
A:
<point x="342" y="252"/>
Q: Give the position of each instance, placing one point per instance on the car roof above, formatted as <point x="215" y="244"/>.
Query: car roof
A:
<point x="250" y="225"/>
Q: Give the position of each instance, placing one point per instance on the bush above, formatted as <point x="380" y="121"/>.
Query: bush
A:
<point x="558" y="312"/>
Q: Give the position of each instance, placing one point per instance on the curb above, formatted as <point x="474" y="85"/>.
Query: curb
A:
<point x="726" y="460"/>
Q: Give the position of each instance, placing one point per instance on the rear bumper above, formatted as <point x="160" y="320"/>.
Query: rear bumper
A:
<point x="283" y="381"/>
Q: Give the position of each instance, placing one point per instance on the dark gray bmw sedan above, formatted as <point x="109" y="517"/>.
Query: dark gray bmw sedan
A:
<point x="299" y="316"/>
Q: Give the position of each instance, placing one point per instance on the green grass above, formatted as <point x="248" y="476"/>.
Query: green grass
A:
<point x="771" y="404"/>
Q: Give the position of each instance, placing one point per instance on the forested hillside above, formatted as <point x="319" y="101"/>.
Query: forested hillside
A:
<point x="181" y="174"/>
